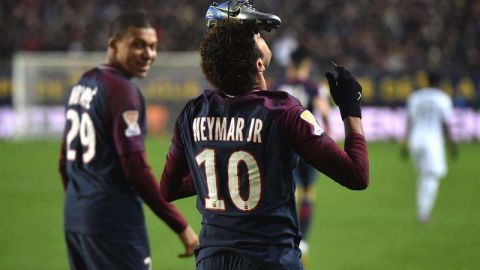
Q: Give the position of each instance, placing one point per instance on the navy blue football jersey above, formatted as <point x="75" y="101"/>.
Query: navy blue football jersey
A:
<point x="242" y="172"/>
<point x="240" y="153"/>
<point x="105" y="118"/>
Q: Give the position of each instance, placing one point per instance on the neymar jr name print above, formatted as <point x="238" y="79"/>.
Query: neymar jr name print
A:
<point x="228" y="129"/>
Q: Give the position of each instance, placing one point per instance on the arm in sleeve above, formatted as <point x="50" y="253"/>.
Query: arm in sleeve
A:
<point x="348" y="167"/>
<point x="176" y="181"/>
<point x="128" y="125"/>
<point x="140" y="176"/>
<point x="62" y="165"/>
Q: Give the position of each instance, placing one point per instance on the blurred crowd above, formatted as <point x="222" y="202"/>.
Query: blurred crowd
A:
<point x="385" y="35"/>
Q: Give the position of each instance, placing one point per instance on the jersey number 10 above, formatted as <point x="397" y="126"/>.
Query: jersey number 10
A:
<point x="212" y="201"/>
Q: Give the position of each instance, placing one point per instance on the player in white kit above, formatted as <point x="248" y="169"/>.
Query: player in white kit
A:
<point x="429" y="110"/>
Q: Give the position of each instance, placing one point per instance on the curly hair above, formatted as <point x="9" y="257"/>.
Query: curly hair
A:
<point x="228" y="57"/>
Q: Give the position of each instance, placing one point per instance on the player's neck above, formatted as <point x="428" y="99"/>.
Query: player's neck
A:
<point x="260" y="82"/>
<point x="114" y="63"/>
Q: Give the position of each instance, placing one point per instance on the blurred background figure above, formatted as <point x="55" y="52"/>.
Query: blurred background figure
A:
<point x="429" y="110"/>
<point x="314" y="98"/>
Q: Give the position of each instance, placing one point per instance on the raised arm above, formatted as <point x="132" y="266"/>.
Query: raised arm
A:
<point x="348" y="167"/>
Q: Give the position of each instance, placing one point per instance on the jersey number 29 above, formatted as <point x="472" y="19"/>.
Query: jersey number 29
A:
<point x="84" y="126"/>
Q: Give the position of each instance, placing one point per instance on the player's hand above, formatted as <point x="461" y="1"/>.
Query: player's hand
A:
<point x="346" y="92"/>
<point x="190" y="240"/>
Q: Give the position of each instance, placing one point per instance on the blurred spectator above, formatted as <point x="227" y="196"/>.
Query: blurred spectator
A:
<point x="378" y="35"/>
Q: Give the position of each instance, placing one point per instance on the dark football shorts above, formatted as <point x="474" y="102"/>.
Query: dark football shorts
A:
<point x="99" y="253"/>
<point x="226" y="260"/>
<point x="304" y="174"/>
<point x="234" y="261"/>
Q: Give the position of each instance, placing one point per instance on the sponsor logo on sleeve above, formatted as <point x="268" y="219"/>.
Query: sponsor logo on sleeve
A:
<point x="309" y="118"/>
<point x="131" y="119"/>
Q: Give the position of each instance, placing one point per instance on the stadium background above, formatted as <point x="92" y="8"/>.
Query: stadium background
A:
<point x="388" y="44"/>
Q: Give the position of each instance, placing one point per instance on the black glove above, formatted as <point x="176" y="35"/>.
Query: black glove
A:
<point x="346" y="92"/>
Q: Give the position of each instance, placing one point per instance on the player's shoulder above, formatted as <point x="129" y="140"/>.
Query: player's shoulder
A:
<point x="205" y="97"/>
<point x="274" y="101"/>
<point x="268" y="98"/>
<point x="277" y="100"/>
<point x="115" y="88"/>
<point x="422" y="93"/>
<point x="430" y="95"/>
<point x="115" y="84"/>
<point x="113" y="78"/>
<point x="200" y="100"/>
<point x="445" y="100"/>
<point x="437" y="94"/>
<point x="442" y="94"/>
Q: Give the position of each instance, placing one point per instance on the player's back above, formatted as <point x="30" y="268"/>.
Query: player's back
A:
<point x="242" y="167"/>
<point x="99" y="199"/>
<point x="428" y="109"/>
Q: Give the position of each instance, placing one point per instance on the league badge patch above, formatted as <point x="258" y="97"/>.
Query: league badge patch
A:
<point x="308" y="116"/>
<point x="131" y="119"/>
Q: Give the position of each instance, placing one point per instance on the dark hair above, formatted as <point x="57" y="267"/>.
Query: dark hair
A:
<point x="298" y="55"/>
<point x="434" y="78"/>
<point x="128" y="19"/>
<point x="228" y="57"/>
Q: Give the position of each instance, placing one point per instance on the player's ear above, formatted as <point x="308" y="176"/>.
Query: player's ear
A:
<point x="112" y="43"/>
<point x="260" y="65"/>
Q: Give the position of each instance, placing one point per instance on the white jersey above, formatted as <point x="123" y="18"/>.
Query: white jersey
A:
<point x="428" y="109"/>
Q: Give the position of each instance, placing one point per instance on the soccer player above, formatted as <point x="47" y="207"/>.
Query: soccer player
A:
<point x="236" y="148"/>
<point x="429" y="110"/>
<point x="103" y="162"/>
<point x="314" y="98"/>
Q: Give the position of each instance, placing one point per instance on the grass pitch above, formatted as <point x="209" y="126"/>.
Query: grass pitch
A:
<point x="372" y="229"/>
